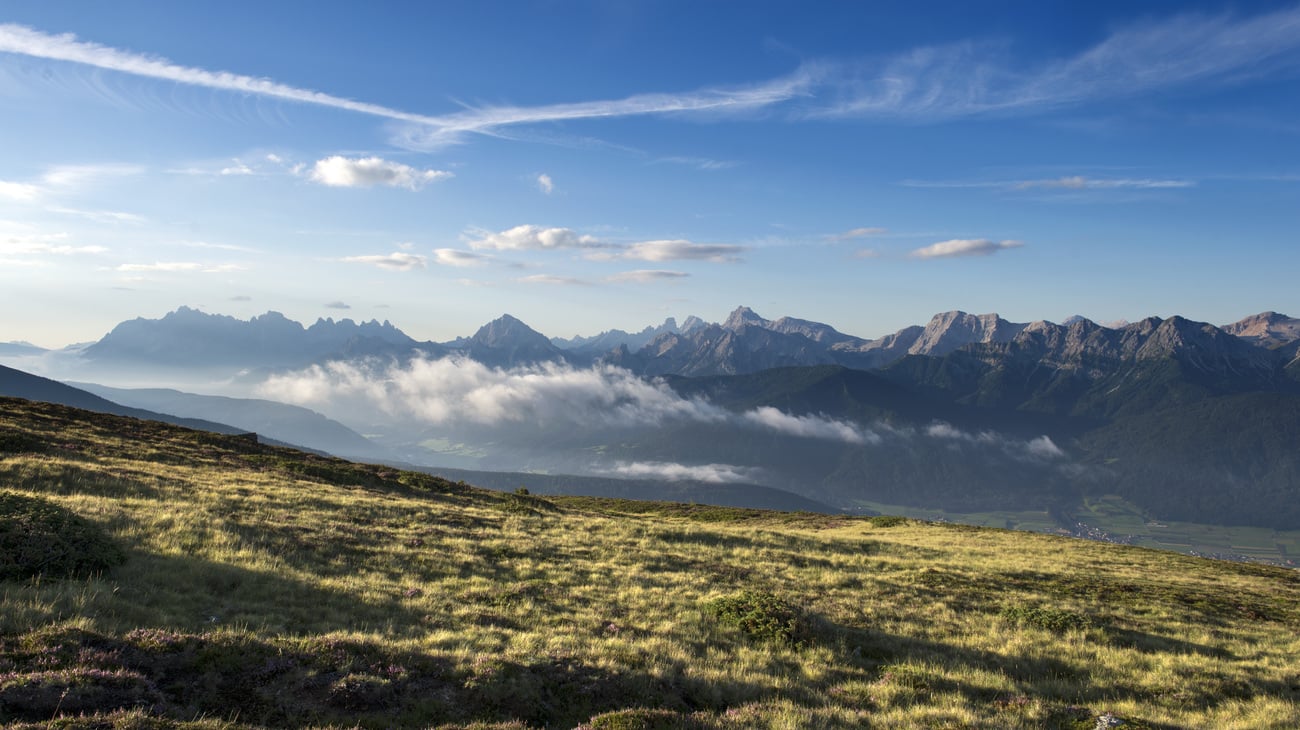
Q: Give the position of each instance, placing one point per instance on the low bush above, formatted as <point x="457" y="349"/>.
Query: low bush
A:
<point x="1051" y="619"/>
<point x="38" y="537"/>
<point x="763" y="616"/>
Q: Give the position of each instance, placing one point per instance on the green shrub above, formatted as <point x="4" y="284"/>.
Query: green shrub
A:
<point x="38" y="537"/>
<point x="1051" y="619"/>
<point x="642" y="719"/>
<point x="763" y="616"/>
<point x="887" y="520"/>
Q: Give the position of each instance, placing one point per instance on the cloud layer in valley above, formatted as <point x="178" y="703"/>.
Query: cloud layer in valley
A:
<point x="452" y="390"/>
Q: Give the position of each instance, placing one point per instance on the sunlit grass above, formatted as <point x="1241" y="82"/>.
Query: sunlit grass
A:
<point x="268" y="588"/>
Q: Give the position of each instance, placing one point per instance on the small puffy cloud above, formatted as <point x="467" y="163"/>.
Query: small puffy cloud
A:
<point x="963" y="247"/>
<point x="458" y="258"/>
<point x="545" y="184"/>
<point x="397" y="261"/>
<point x="532" y="238"/>
<point x="1038" y="449"/>
<point x="673" y="472"/>
<point x="1044" y="448"/>
<point x="338" y="305"/>
<point x="551" y="279"/>
<point x="645" y="276"/>
<point x="856" y="233"/>
<point x="679" y="250"/>
<point x="238" y="168"/>
<point x="364" y="172"/>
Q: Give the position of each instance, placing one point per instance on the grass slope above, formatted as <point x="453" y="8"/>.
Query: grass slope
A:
<point x="267" y="587"/>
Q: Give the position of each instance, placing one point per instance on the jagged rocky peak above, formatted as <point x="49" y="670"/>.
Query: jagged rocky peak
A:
<point x="506" y="330"/>
<point x="692" y="323"/>
<point x="950" y="330"/>
<point x="744" y="316"/>
<point x="669" y="325"/>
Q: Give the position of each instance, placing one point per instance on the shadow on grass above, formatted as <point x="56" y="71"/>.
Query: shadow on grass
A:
<point x="282" y="682"/>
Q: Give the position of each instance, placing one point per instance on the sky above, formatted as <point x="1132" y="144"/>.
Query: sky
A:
<point x="594" y="165"/>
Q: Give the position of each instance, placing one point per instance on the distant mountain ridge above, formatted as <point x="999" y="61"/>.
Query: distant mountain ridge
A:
<point x="748" y="343"/>
<point x="744" y="343"/>
<point x="280" y="421"/>
<point x="190" y="338"/>
<point x="19" y="384"/>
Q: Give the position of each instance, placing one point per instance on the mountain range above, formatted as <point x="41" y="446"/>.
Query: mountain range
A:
<point x="744" y="343"/>
<point x="1186" y="420"/>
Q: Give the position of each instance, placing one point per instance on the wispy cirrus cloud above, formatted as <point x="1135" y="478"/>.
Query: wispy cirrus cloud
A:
<point x="552" y="280"/>
<point x="971" y="78"/>
<point x="959" y="247"/>
<point x="62" y="178"/>
<point x="396" y="261"/>
<point x="1064" y="183"/>
<point x="22" y="192"/>
<point x="38" y="244"/>
<point x="427" y="131"/>
<point x="364" y="172"/>
<point x="964" y="79"/>
<point x="179" y="266"/>
<point x="451" y="128"/>
<point x="99" y="216"/>
<point x="645" y="276"/>
<point x="854" y="234"/>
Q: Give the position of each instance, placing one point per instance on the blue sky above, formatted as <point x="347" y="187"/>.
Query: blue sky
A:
<point x="585" y="166"/>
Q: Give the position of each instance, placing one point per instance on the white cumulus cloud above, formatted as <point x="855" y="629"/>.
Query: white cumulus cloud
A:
<point x="545" y="184"/>
<point x="530" y="237"/>
<point x="364" y="172"/>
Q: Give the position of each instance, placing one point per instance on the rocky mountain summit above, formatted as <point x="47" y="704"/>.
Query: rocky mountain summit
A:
<point x="191" y="338"/>
<point x="506" y="341"/>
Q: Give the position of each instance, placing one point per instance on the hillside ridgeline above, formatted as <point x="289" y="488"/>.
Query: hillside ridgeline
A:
<point x="265" y="587"/>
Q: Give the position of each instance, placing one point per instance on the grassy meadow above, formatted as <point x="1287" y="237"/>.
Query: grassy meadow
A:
<point x="262" y="587"/>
